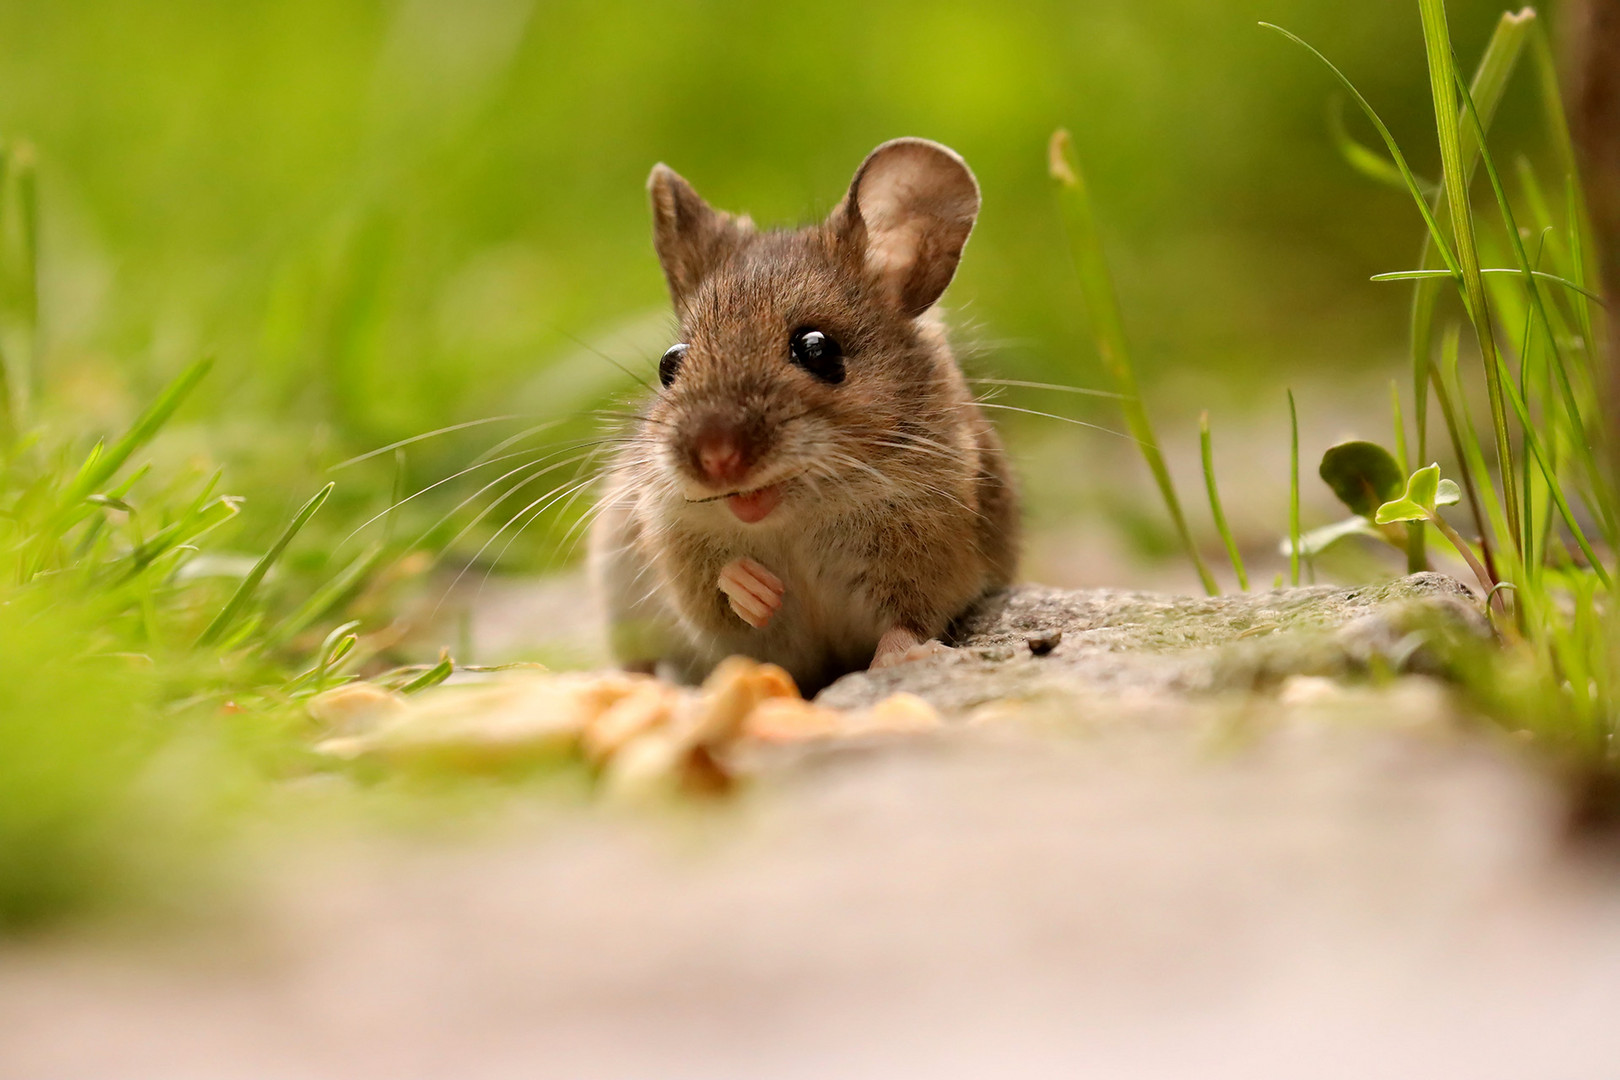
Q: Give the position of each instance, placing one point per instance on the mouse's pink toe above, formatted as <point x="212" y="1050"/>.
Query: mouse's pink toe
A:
<point x="754" y="592"/>
<point x="899" y="646"/>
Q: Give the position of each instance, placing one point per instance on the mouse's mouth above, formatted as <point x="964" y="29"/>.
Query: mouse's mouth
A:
<point x="752" y="506"/>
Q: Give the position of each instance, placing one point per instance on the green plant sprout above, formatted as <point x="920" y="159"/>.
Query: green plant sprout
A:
<point x="1421" y="500"/>
<point x="1207" y="450"/>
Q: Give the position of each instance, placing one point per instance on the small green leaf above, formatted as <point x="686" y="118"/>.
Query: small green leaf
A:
<point x="1424" y="491"/>
<point x="1362" y="474"/>
<point x="1423" y="486"/>
<point x="1400" y="510"/>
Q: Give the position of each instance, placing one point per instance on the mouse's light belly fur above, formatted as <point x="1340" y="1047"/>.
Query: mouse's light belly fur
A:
<point x="664" y="607"/>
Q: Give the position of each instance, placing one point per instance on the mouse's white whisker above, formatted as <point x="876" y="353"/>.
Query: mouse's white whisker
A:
<point x="436" y="484"/>
<point x="369" y="454"/>
<point x="921" y="448"/>
<point x="541" y="503"/>
<point x="1061" y="388"/>
<point x="1065" y="419"/>
<point x="513" y="440"/>
<point x="571" y="493"/>
<point x="489" y="509"/>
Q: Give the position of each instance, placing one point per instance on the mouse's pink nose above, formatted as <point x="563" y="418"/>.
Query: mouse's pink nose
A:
<point x="720" y="456"/>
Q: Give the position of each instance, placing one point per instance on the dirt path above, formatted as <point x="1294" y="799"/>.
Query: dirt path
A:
<point x="1322" y="884"/>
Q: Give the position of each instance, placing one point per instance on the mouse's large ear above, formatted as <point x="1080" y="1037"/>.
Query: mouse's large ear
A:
<point x="910" y="209"/>
<point x="691" y="236"/>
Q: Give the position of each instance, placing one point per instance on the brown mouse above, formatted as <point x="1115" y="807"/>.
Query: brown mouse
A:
<point x="812" y="485"/>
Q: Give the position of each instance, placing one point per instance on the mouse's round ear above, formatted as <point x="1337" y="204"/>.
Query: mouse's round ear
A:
<point x="909" y="211"/>
<point x="691" y="236"/>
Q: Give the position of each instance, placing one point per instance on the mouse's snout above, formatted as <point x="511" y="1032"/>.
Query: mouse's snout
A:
<point x="722" y="454"/>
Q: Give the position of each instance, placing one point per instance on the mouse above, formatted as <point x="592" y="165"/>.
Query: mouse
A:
<point x="811" y="482"/>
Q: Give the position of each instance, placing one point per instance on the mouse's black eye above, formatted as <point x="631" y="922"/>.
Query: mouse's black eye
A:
<point x="670" y="363"/>
<point x="818" y="354"/>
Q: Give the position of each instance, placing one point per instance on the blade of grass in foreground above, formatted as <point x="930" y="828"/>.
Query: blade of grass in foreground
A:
<point x="250" y="584"/>
<point x="1417" y="558"/>
<point x="1412" y="185"/>
<point x="1208" y="454"/>
<point x="1490" y="81"/>
<point x="100" y="467"/>
<point x="8" y="408"/>
<point x="1563" y="146"/>
<point x="1108" y="327"/>
<point x="1582" y="444"/>
<point x="19" y="287"/>
<point x="1293" y="491"/>
<point x="1448" y="125"/>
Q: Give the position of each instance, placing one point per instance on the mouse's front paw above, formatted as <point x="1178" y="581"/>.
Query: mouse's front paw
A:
<point x="899" y="646"/>
<point x="755" y="593"/>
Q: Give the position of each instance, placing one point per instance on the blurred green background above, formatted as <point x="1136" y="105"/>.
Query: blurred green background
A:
<point x="383" y="218"/>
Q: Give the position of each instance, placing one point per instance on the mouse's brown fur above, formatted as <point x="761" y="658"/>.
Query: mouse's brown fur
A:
<point x="892" y="508"/>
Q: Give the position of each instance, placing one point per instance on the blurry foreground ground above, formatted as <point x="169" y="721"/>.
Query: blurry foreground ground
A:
<point x="1331" y="899"/>
<point x="1306" y="881"/>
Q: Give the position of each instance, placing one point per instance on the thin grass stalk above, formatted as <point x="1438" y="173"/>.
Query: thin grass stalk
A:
<point x="1490" y="80"/>
<point x="1538" y="310"/>
<point x="1466" y="448"/>
<point x="1442" y="85"/>
<point x="250" y="584"/>
<point x="1416" y="559"/>
<point x="9" y="421"/>
<point x="1293" y="491"/>
<point x="1413" y="188"/>
<point x="1562" y="140"/>
<point x="1553" y="488"/>
<point x="1208" y="454"/>
<point x="19" y="288"/>
<point x="1528" y="475"/>
<point x="1108" y="328"/>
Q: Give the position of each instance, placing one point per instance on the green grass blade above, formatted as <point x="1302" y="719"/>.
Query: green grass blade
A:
<point x="1208" y="454"/>
<point x="1563" y="146"/>
<point x="1534" y="443"/>
<point x="1539" y="275"/>
<point x="1416" y="559"/>
<point x="1108" y="327"/>
<point x="1363" y="159"/>
<point x="250" y="584"/>
<point x="19" y="288"/>
<point x="1411" y="181"/>
<point x="1500" y="58"/>
<point x="1476" y="478"/>
<point x="146" y="426"/>
<point x="1293" y="491"/>
<point x="326" y="597"/>
<point x="1400" y="426"/>
<point x="433" y="676"/>
<point x="1443" y="89"/>
<point x="10" y="422"/>
<point x="1538" y="314"/>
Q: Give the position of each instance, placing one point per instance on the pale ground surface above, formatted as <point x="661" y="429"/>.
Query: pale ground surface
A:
<point x="1309" y="883"/>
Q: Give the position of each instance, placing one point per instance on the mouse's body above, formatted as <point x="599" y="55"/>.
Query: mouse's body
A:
<point x="813" y="486"/>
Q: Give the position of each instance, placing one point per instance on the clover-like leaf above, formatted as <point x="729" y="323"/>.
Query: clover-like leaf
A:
<point x="1400" y="510"/>
<point x="1424" y="492"/>
<point x="1362" y="474"/>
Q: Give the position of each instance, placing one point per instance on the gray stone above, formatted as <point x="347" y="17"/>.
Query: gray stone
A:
<point x="1116" y="642"/>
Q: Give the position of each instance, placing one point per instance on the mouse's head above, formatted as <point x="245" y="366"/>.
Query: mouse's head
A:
<point x="805" y="361"/>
